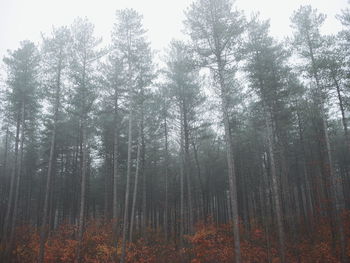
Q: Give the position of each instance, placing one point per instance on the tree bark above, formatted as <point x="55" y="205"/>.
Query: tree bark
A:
<point x="275" y="192"/>
<point x="84" y="163"/>
<point x="133" y="207"/>
<point x="186" y="163"/>
<point x="83" y="192"/>
<point x="127" y="191"/>
<point x="4" y="185"/>
<point x="44" y="229"/>
<point x="17" y="185"/>
<point x="230" y="161"/>
<point x="115" y="156"/>
<point x="182" y="203"/>
<point x="337" y="199"/>
<point x="13" y="181"/>
<point x="342" y="110"/>
<point x="166" y="161"/>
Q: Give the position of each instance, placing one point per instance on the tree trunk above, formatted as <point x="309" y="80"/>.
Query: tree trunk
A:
<point x="83" y="191"/>
<point x="17" y="186"/>
<point x="136" y="181"/>
<point x="182" y="208"/>
<point x="116" y="157"/>
<point x="50" y="168"/>
<point x="4" y="185"/>
<point x="275" y="192"/>
<point x="84" y="161"/>
<point x="144" y="218"/>
<point x="337" y="199"/>
<point x="166" y="160"/>
<point x="308" y="199"/>
<point x="342" y="110"/>
<point x="127" y="191"/>
<point x="12" y="182"/>
<point x="187" y="168"/>
<point x="230" y="161"/>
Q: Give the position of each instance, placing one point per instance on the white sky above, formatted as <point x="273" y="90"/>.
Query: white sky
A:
<point x="26" y="19"/>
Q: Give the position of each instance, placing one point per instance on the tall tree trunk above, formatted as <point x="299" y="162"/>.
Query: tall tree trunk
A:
<point x="187" y="168"/>
<point x="144" y="218"/>
<point x="230" y="159"/>
<point x="309" y="215"/>
<point x="137" y="172"/>
<point x="195" y="151"/>
<point x="115" y="156"/>
<point x="4" y="184"/>
<point x="166" y="161"/>
<point x="115" y="168"/>
<point x="127" y="191"/>
<point x="182" y="208"/>
<point x="275" y="192"/>
<point x="337" y="199"/>
<point x="82" y="191"/>
<point x="17" y="185"/>
<point x="50" y="167"/>
<point x="12" y="182"/>
<point x="84" y="160"/>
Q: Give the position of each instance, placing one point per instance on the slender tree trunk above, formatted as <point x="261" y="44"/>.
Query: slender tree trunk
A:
<point x="12" y="182"/>
<point x="4" y="185"/>
<point x="187" y="168"/>
<point x="144" y="193"/>
<point x="84" y="161"/>
<point x="182" y="208"/>
<point x="106" y="185"/>
<point x="199" y="175"/>
<point x="83" y="191"/>
<point x="115" y="156"/>
<point x="17" y="185"/>
<point x="195" y="151"/>
<point x="115" y="168"/>
<point x="50" y="168"/>
<point x="127" y="191"/>
<point x="275" y="192"/>
<point x="230" y="161"/>
<point x="144" y="219"/>
<point x="337" y="199"/>
<point x="166" y="161"/>
<point x="307" y="189"/>
<point x="136" y="181"/>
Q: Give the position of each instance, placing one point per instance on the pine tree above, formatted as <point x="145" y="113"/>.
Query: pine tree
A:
<point x="216" y="29"/>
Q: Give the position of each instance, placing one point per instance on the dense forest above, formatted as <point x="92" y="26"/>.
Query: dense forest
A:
<point x="229" y="146"/>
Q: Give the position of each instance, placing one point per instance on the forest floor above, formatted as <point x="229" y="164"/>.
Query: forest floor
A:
<point x="211" y="243"/>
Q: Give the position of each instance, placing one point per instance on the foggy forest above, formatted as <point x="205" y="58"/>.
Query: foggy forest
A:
<point x="228" y="146"/>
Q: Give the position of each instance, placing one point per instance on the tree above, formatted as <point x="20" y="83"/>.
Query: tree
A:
<point x="84" y="54"/>
<point x="183" y="87"/>
<point x="55" y="56"/>
<point x="267" y="71"/>
<point x="235" y="140"/>
<point x="333" y="63"/>
<point x="114" y="82"/>
<point x="216" y="29"/>
<point x="23" y="66"/>
<point x="308" y="43"/>
<point x="129" y="39"/>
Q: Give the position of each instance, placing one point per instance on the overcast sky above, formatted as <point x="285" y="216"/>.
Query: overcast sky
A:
<point x="26" y="19"/>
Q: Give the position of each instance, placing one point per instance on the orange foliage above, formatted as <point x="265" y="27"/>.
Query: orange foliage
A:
<point x="141" y="252"/>
<point x="210" y="243"/>
<point x="215" y="244"/>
